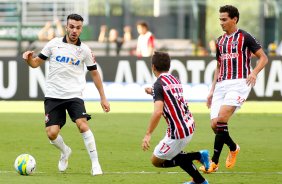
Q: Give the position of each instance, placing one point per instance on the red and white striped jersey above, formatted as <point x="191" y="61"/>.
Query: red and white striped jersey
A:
<point x="169" y="90"/>
<point x="234" y="54"/>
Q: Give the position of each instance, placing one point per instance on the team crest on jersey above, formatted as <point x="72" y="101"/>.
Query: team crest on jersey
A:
<point x="234" y="44"/>
<point x="47" y="119"/>
<point x="78" y="51"/>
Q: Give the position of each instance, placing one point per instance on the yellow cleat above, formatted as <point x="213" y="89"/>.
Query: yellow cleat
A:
<point x="213" y="168"/>
<point x="231" y="157"/>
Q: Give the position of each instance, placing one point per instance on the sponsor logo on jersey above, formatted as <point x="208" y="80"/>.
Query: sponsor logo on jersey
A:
<point x="69" y="60"/>
<point x="172" y="86"/>
<point x="229" y="56"/>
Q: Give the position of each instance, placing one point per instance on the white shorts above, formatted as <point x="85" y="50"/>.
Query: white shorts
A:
<point x="168" y="148"/>
<point x="229" y="92"/>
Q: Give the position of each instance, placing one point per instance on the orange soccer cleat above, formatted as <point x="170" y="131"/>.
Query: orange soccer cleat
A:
<point x="213" y="168"/>
<point x="231" y="157"/>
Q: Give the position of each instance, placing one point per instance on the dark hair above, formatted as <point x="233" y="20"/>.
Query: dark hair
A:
<point x="161" y="61"/>
<point x="231" y="10"/>
<point x="75" y="17"/>
<point x="143" y="24"/>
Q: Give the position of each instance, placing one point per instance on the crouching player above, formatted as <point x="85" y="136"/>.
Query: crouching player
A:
<point x="168" y="98"/>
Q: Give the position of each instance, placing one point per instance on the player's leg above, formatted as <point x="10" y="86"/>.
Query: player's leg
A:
<point x="55" y="118"/>
<point x="222" y="136"/>
<point x="236" y="95"/>
<point x="77" y="112"/>
<point x="183" y="160"/>
<point x="56" y="139"/>
<point x="168" y="154"/>
<point x="217" y="100"/>
<point x="65" y="150"/>
<point x="90" y="145"/>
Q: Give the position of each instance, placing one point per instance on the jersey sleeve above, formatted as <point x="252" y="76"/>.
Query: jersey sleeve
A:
<point x="90" y="60"/>
<point x="217" y="55"/>
<point x="46" y="51"/>
<point x="252" y="43"/>
<point x="158" y="91"/>
<point x="151" y="41"/>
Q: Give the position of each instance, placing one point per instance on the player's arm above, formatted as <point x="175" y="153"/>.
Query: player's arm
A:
<point x="257" y="50"/>
<point x="262" y="61"/>
<point x="210" y="95"/>
<point x="31" y="61"/>
<point x="154" y="121"/>
<point x="215" y="75"/>
<point x="99" y="85"/>
<point x="151" y="45"/>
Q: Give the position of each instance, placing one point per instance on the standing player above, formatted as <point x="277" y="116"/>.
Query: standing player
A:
<point x="146" y="40"/>
<point x="168" y="101"/>
<point x="64" y="85"/>
<point x="232" y="82"/>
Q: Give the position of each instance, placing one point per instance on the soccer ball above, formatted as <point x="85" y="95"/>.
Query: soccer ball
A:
<point x="25" y="164"/>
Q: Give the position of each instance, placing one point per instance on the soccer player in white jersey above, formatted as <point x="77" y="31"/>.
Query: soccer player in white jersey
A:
<point x="168" y="98"/>
<point x="146" y="40"/>
<point x="232" y="82"/>
<point x="64" y="85"/>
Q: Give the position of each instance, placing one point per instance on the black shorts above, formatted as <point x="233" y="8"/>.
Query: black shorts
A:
<point x="55" y="110"/>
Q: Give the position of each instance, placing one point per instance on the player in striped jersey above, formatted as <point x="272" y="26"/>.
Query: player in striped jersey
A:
<point x="232" y="82"/>
<point x="64" y="85"/>
<point x="168" y="98"/>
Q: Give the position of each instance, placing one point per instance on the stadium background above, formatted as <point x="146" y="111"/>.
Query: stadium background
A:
<point x="182" y="28"/>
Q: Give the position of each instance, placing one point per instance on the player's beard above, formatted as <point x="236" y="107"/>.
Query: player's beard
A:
<point x="72" y="38"/>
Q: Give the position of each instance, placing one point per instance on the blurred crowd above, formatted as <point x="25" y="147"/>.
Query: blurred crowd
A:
<point x="145" y="41"/>
<point x="142" y="45"/>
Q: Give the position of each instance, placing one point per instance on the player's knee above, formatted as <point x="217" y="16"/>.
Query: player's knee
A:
<point x="156" y="162"/>
<point x="52" y="134"/>
<point x="82" y="126"/>
<point x="213" y="125"/>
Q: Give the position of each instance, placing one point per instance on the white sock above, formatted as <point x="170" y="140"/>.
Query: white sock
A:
<point x="90" y="145"/>
<point x="59" y="143"/>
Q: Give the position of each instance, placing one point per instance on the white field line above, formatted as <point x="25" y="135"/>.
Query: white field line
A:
<point x="155" y="172"/>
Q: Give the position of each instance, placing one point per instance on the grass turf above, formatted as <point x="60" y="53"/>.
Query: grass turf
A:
<point x="118" y="137"/>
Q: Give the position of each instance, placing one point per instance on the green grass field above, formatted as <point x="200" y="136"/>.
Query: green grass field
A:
<point x="256" y="127"/>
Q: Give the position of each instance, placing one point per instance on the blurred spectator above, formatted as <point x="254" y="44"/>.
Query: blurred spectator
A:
<point x="212" y="45"/>
<point x="279" y="49"/>
<point x="114" y="38"/>
<point x="127" y="36"/>
<point x="146" y="40"/>
<point x="48" y="32"/>
<point x="272" y="47"/>
<point x="103" y="34"/>
<point x="200" y="50"/>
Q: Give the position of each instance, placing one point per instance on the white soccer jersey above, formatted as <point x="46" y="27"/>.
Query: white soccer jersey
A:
<point x="143" y="43"/>
<point x="66" y="78"/>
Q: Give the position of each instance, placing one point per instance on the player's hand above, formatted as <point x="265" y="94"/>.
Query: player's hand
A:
<point x="28" y="55"/>
<point x="251" y="80"/>
<point x="209" y="99"/>
<point x="148" y="91"/>
<point x="146" y="142"/>
<point x="105" y="105"/>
